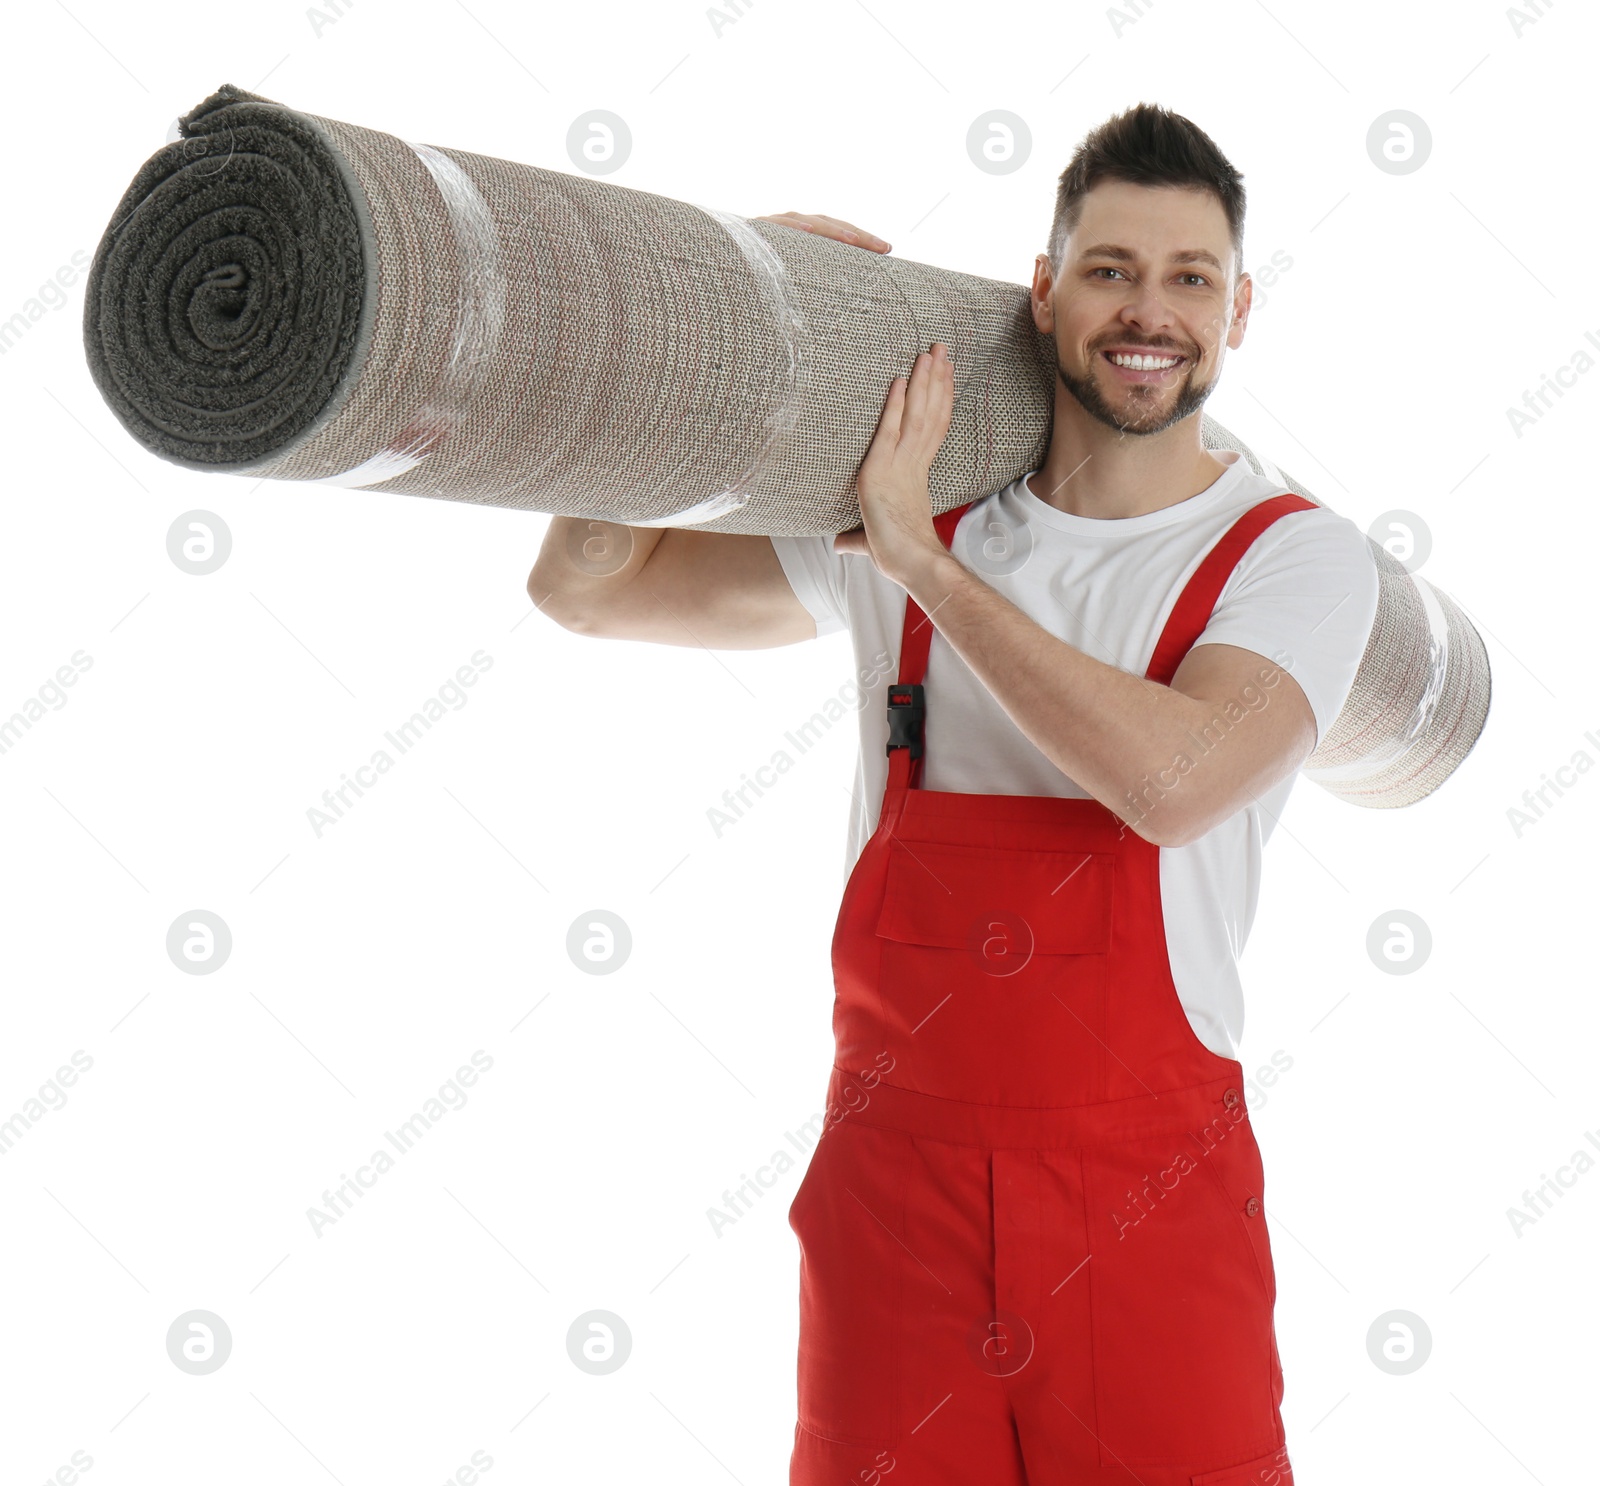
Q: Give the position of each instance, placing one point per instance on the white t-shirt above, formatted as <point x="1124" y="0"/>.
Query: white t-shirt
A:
<point x="1303" y="594"/>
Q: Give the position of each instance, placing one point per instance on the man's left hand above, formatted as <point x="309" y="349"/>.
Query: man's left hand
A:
<point x="892" y="483"/>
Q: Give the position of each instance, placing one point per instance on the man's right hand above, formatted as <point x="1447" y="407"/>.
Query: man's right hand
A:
<point x="839" y="231"/>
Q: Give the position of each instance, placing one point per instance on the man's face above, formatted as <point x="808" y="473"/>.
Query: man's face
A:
<point x="1149" y="272"/>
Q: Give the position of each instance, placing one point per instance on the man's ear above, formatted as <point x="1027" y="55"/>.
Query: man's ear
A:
<point x="1044" y="315"/>
<point x="1236" y="326"/>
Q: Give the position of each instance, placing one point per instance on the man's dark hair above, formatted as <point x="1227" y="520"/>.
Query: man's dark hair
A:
<point x="1149" y="146"/>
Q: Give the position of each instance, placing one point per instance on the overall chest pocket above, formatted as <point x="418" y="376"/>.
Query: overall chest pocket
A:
<point x="993" y="972"/>
<point x="1002" y="904"/>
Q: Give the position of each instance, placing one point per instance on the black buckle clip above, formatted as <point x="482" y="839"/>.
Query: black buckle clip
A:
<point x="905" y="717"/>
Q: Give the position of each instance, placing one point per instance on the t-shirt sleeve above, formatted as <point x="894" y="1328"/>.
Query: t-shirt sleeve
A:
<point x="816" y="573"/>
<point x="1304" y="595"/>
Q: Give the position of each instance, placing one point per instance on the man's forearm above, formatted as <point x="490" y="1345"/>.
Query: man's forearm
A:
<point x="1105" y="728"/>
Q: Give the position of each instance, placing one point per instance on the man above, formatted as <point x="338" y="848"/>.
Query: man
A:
<point x="1033" y="1240"/>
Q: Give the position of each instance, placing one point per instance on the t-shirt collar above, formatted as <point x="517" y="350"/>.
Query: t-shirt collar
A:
<point x="1041" y="512"/>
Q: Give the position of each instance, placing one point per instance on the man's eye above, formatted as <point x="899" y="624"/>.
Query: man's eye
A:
<point x="1202" y="278"/>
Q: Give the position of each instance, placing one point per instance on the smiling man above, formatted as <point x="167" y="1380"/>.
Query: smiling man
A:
<point x="1033" y="1234"/>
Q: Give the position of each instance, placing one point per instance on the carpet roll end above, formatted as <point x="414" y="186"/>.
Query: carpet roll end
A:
<point x="228" y="297"/>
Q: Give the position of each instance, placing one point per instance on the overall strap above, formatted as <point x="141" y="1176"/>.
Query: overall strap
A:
<point x="1192" y="612"/>
<point x="905" y="695"/>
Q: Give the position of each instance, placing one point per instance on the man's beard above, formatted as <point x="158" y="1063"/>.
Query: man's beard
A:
<point x="1145" y="419"/>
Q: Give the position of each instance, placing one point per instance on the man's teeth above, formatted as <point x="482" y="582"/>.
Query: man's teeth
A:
<point x="1145" y="363"/>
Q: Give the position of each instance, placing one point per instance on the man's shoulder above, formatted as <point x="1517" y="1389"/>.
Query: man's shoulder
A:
<point x="1314" y="549"/>
<point x="978" y="507"/>
<point x="1318" y="523"/>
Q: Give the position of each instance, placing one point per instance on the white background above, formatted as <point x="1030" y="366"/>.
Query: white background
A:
<point x="369" y="964"/>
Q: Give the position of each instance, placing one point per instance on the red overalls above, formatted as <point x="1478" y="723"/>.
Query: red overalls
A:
<point x="1033" y="1251"/>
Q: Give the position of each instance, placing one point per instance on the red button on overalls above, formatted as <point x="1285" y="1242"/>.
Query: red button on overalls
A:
<point x="1030" y="1249"/>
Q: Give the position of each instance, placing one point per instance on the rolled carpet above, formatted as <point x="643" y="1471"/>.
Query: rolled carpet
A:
<point x="289" y="296"/>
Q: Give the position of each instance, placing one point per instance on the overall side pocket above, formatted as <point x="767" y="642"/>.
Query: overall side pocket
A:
<point x="851" y="1269"/>
<point x="1234" y="1159"/>
<point x="1181" y="1323"/>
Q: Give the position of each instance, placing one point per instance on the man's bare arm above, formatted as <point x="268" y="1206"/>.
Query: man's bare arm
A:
<point x="1126" y="739"/>
<point x="667" y="586"/>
